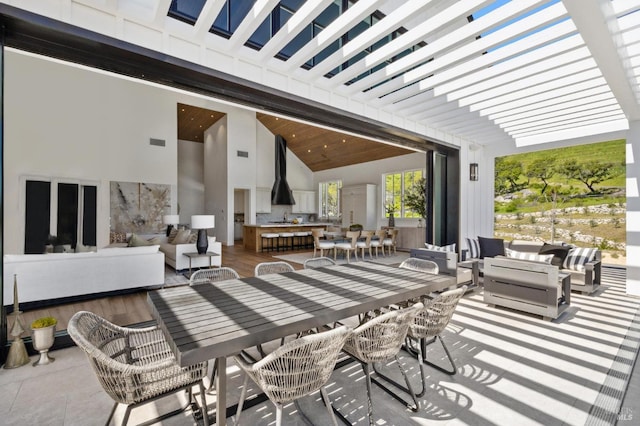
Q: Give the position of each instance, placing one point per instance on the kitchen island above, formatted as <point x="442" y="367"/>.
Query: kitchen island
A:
<point x="252" y="235"/>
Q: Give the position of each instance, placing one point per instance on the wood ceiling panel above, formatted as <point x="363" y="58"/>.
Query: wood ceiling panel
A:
<point x="317" y="147"/>
<point x="193" y="121"/>
<point x="323" y="149"/>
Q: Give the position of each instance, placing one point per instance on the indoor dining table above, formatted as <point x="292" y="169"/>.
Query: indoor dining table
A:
<point x="215" y="321"/>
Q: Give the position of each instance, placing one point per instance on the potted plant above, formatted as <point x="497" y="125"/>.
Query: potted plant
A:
<point x="415" y="199"/>
<point x="44" y="330"/>
<point x="390" y="209"/>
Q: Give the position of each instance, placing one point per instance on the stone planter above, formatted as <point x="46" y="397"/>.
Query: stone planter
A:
<point x="42" y="341"/>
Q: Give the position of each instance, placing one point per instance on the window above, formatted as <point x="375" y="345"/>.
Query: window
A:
<point x="66" y="210"/>
<point x="330" y="199"/>
<point x="395" y="185"/>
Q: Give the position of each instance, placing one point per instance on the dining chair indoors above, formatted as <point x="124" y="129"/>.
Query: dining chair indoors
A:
<point x="376" y="242"/>
<point x="320" y="244"/>
<point x="318" y="262"/>
<point x="349" y="245"/>
<point x="390" y="241"/>
<point x="379" y="340"/>
<point x="364" y="243"/>
<point x="208" y="276"/>
<point x="135" y="366"/>
<point x="278" y="267"/>
<point x="294" y="370"/>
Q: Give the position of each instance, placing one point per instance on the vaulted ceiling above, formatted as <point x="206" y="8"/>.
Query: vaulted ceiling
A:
<point x="482" y="71"/>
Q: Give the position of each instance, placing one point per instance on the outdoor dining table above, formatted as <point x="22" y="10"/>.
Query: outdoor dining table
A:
<point x="218" y="320"/>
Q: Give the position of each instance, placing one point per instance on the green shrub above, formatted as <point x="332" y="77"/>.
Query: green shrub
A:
<point x="44" y="322"/>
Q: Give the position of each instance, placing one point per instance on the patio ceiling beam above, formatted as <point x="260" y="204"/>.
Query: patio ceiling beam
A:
<point x="161" y="10"/>
<point x="303" y="17"/>
<point x="597" y="23"/>
<point x="462" y="52"/>
<point x="260" y="10"/>
<point x="370" y="36"/>
<point x="597" y="106"/>
<point x="458" y="12"/>
<point x="208" y="15"/>
<point x="441" y="66"/>
<point x="532" y="102"/>
<point x="343" y="23"/>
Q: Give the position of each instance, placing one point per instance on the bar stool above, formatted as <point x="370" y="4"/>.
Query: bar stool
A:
<point x="302" y="239"/>
<point x="267" y="241"/>
<point x="287" y="238"/>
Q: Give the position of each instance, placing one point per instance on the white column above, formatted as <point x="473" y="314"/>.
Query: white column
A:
<point x="633" y="209"/>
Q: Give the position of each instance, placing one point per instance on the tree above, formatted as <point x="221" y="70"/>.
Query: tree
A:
<point x="415" y="197"/>
<point x="543" y="169"/>
<point x="590" y="172"/>
<point x="507" y="171"/>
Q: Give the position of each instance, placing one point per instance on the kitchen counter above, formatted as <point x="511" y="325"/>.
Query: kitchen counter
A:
<point x="252" y="235"/>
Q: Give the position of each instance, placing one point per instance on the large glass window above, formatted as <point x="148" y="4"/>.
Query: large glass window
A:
<point x="65" y="210"/>
<point x="330" y="199"/>
<point x="395" y="186"/>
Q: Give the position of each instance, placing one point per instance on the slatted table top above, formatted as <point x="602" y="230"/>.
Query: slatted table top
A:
<point x="217" y="320"/>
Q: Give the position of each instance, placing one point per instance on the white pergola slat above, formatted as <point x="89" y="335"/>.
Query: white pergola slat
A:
<point x="527" y="71"/>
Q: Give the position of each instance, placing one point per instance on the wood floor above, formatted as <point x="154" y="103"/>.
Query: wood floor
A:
<point x="132" y="308"/>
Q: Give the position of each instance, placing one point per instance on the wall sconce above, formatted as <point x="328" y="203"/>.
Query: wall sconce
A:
<point x="473" y="171"/>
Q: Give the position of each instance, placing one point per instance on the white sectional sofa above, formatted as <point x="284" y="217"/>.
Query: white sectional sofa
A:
<point x="58" y="275"/>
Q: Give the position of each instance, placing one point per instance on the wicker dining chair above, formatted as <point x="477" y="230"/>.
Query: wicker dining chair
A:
<point x="295" y="369"/>
<point x="135" y="366"/>
<point x="212" y="275"/>
<point x="379" y="340"/>
<point x="279" y="267"/>
<point x="318" y="262"/>
<point x="427" y="326"/>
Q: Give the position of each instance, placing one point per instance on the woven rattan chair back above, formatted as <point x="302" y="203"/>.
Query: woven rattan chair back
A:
<point x="133" y="365"/>
<point x="295" y="369"/>
<point x="436" y="314"/>
<point x="265" y="268"/>
<point x="422" y="265"/>
<point x="208" y="276"/>
<point x="318" y="262"/>
<point x="380" y="339"/>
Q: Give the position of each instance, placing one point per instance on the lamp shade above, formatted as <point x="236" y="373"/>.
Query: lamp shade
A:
<point x="203" y="221"/>
<point x="171" y="219"/>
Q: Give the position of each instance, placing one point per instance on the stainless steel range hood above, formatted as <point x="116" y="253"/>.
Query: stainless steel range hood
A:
<point x="281" y="193"/>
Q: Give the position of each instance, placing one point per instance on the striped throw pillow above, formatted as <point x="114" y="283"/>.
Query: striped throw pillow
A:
<point x="514" y="254"/>
<point x="474" y="248"/>
<point x="578" y="257"/>
<point x="449" y="247"/>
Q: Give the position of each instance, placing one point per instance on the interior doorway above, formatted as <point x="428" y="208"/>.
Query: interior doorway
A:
<point x="240" y="205"/>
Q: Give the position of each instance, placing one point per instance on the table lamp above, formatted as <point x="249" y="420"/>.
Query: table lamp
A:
<point x="170" y="220"/>
<point x="202" y="222"/>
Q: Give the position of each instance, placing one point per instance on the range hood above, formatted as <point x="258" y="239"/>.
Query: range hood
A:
<point x="281" y="193"/>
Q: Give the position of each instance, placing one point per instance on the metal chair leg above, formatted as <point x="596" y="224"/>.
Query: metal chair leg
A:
<point x="423" y="349"/>
<point x="407" y="388"/>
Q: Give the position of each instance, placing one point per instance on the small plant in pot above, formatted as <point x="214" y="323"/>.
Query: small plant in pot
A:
<point x="44" y="331"/>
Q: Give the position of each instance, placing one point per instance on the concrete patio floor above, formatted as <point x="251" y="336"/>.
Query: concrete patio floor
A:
<point x="513" y="369"/>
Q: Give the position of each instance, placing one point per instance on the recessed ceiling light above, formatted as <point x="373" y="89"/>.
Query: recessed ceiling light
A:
<point x="182" y="109"/>
<point x="344" y="140"/>
<point x="277" y="119"/>
<point x="201" y="126"/>
<point x="294" y="135"/>
<point x="325" y="146"/>
<point x="211" y="115"/>
<point x="308" y="150"/>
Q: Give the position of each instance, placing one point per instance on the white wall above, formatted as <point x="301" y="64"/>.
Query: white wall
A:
<point x="65" y="122"/>
<point x="633" y="209"/>
<point x="190" y="180"/>
<point x="215" y="177"/>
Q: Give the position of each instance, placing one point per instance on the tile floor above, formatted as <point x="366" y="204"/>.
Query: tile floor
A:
<point x="513" y="369"/>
